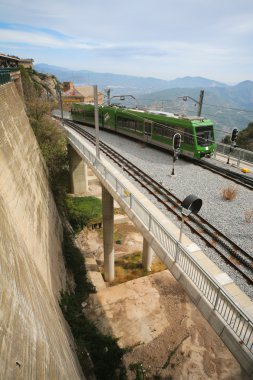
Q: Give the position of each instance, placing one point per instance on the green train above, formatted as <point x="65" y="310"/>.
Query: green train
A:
<point x="152" y="127"/>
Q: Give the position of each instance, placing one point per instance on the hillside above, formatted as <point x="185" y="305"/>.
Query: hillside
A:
<point x="245" y="138"/>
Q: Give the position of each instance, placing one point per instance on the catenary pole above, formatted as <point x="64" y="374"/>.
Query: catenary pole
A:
<point x="200" y="102"/>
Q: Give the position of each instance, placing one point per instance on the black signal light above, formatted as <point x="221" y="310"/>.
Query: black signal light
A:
<point x="234" y="134"/>
<point x="176" y="141"/>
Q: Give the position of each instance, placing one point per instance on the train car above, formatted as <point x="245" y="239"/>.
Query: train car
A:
<point x="153" y="127"/>
<point x="84" y="113"/>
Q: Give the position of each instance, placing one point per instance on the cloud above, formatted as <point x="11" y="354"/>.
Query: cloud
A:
<point x="52" y="39"/>
<point x="25" y="35"/>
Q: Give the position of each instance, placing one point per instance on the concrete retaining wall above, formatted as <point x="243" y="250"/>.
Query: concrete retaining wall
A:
<point x="34" y="339"/>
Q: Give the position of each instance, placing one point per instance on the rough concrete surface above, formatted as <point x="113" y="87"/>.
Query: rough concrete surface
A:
<point x="155" y="317"/>
<point x="35" y="342"/>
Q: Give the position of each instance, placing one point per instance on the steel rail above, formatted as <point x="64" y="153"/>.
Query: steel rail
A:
<point x="235" y="177"/>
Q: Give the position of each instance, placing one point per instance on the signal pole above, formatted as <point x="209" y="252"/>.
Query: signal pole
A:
<point x="176" y="148"/>
<point x="233" y="142"/>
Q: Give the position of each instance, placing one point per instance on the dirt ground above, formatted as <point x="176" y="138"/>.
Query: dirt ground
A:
<point x="130" y="241"/>
<point x="168" y="337"/>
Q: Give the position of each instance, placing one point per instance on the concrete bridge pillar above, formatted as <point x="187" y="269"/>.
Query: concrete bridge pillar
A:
<point x="147" y="255"/>
<point x="78" y="173"/>
<point x="108" y="224"/>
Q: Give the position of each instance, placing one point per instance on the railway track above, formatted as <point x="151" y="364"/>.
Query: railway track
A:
<point x="231" y="253"/>
<point x="235" y="177"/>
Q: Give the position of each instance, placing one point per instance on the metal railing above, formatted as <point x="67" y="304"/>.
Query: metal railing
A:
<point x="5" y="74"/>
<point x="240" y="323"/>
<point x="238" y="155"/>
<point x="5" y="77"/>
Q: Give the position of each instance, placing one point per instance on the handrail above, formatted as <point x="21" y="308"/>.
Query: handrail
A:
<point x="238" y="154"/>
<point x="4" y="77"/>
<point x="231" y="313"/>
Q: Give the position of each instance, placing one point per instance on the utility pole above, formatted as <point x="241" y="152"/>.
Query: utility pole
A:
<point x="108" y="91"/>
<point x="95" y="89"/>
<point x="61" y="106"/>
<point x="200" y="102"/>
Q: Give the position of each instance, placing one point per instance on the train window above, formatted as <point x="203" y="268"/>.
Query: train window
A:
<point x="204" y="135"/>
<point x="129" y="124"/>
<point x="158" y="130"/>
<point x="188" y="138"/>
<point x="139" y="126"/>
<point x="88" y="113"/>
<point x="169" y="132"/>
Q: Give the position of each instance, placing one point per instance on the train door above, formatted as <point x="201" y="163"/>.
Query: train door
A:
<point x="147" y="130"/>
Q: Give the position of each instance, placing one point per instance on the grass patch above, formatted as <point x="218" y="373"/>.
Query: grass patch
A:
<point x="118" y="234"/>
<point x="83" y="210"/>
<point x="119" y="211"/>
<point x="129" y="267"/>
<point x="103" y="349"/>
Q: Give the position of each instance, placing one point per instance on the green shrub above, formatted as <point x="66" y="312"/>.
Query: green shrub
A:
<point x="82" y="210"/>
<point x="50" y="137"/>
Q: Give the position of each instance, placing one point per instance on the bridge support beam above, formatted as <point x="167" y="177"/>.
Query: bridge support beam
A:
<point x="147" y="255"/>
<point x="108" y="224"/>
<point x="78" y="173"/>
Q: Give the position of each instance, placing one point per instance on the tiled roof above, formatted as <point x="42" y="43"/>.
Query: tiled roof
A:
<point x="72" y="93"/>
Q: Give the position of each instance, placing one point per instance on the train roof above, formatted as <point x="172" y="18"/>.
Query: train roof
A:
<point x="156" y="113"/>
<point x="169" y="114"/>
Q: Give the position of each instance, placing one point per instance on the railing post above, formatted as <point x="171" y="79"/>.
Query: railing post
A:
<point x="217" y="298"/>
<point x="149" y="222"/>
<point x="177" y="252"/>
<point x="239" y="159"/>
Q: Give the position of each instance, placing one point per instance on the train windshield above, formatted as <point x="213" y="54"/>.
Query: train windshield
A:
<point x="205" y="135"/>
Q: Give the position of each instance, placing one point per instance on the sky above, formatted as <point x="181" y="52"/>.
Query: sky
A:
<point x="165" y="39"/>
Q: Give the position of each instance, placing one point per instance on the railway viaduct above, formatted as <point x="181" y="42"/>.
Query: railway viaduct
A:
<point x="227" y="309"/>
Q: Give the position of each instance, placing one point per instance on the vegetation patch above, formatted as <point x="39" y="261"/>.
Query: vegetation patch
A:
<point x="50" y="137"/>
<point x="229" y="193"/>
<point x="83" y="211"/>
<point x="129" y="267"/>
<point x="139" y="371"/>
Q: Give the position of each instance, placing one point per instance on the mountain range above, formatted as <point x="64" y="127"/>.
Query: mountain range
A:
<point x="228" y="106"/>
<point x="115" y="81"/>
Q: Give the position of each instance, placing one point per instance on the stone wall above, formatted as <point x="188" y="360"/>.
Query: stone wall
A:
<point x="35" y="342"/>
